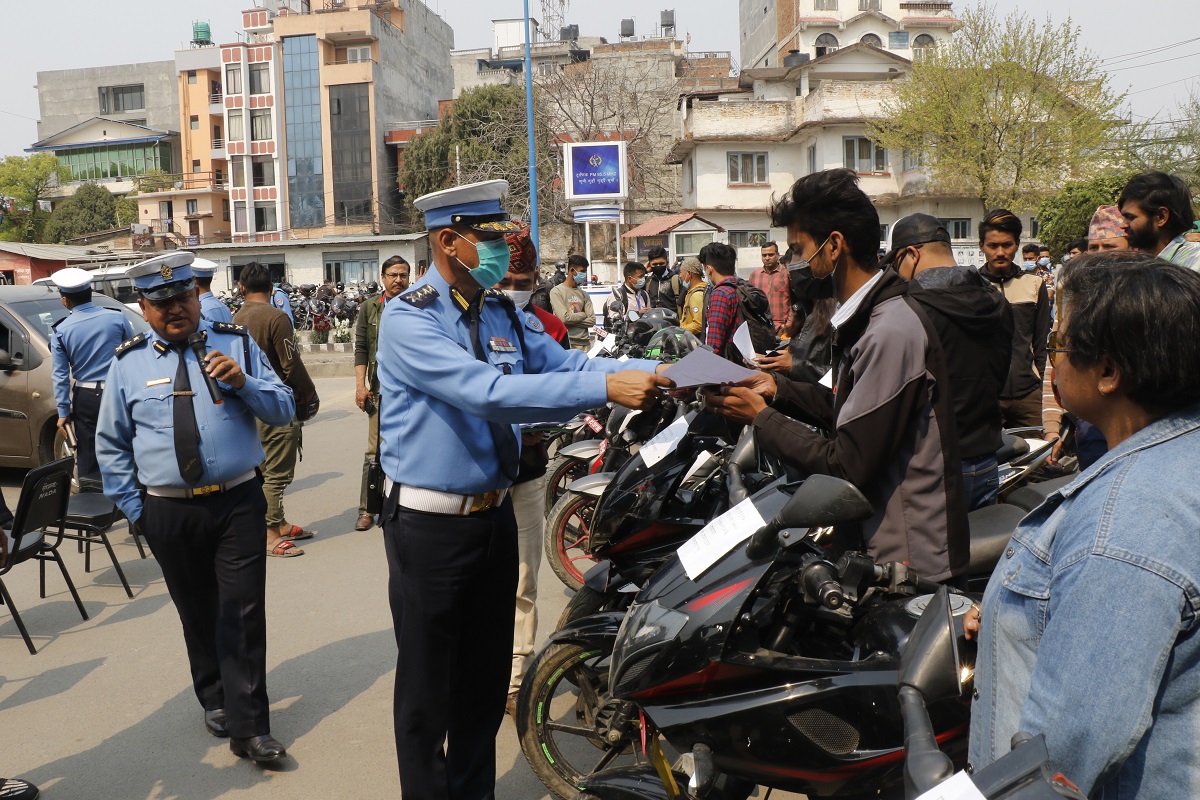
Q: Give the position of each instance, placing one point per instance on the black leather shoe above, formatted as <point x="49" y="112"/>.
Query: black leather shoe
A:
<point x="214" y="720"/>
<point x="259" y="749"/>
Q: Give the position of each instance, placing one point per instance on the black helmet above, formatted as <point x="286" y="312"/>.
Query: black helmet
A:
<point x="341" y="287"/>
<point x="372" y="287"/>
<point x="286" y="287"/>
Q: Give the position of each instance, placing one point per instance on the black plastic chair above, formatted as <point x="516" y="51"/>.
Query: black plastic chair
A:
<point x="89" y="486"/>
<point x="40" y="513"/>
<point x="91" y="515"/>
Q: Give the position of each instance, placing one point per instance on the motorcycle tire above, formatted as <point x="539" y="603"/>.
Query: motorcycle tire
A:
<point x="559" y="473"/>
<point x="568" y="528"/>
<point x="560" y="733"/>
<point x="586" y="602"/>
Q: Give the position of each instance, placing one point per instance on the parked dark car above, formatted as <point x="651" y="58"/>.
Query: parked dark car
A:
<point x="28" y="431"/>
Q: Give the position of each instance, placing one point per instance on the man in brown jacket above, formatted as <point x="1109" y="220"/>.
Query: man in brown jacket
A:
<point x="272" y="331"/>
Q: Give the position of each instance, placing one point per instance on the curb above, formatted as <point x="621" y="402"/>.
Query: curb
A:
<point x="331" y="347"/>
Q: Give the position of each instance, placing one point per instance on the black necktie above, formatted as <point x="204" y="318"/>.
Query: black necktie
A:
<point x="508" y="453"/>
<point x="187" y="434"/>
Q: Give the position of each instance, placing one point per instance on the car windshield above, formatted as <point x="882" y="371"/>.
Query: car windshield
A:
<point x="42" y="314"/>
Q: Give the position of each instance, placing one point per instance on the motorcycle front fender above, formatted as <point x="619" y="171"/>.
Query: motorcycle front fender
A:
<point x="629" y="783"/>
<point x="598" y="629"/>
<point x="593" y="485"/>
<point x="586" y="450"/>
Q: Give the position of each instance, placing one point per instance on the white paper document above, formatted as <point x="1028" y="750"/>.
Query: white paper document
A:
<point x="959" y="787"/>
<point x="719" y="537"/>
<point x="607" y="343"/>
<point x="703" y="458"/>
<point x="666" y="441"/>
<point x="745" y="345"/>
<point x="827" y="381"/>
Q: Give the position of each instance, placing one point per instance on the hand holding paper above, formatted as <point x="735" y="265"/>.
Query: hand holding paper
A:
<point x="705" y="368"/>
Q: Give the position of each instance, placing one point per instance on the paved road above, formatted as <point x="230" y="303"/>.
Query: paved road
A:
<point x="105" y="710"/>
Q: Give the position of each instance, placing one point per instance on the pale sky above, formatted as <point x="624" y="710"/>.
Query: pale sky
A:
<point x="70" y="34"/>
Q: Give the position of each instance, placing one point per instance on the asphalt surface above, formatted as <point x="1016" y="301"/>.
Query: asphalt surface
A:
<point x="105" y="710"/>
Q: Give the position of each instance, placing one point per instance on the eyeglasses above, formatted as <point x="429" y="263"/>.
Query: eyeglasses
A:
<point x="395" y="276"/>
<point x="1052" y="351"/>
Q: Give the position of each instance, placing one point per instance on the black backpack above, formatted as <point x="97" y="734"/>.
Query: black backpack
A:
<point x="755" y="309"/>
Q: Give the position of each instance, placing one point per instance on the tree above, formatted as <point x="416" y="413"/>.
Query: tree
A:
<point x="25" y="181"/>
<point x="1066" y="215"/>
<point x="127" y="211"/>
<point x="1006" y="111"/>
<point x="91" y="209"/>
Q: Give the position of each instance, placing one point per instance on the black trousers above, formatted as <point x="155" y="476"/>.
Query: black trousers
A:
<point x="453" y="583"/>
<point x="213" y="554"/>
<point x="85" y="410"/>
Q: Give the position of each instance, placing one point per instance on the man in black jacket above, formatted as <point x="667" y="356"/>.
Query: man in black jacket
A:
<point x="975" y="327"/>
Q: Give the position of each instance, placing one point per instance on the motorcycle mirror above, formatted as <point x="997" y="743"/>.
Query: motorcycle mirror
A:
<point x="634" y="316"/>
<point x="930" y="660"/>
<point x="820" y="501"/>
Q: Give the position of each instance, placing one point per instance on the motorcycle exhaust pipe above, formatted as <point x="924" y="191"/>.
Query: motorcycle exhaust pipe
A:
<point x="704" y="774"/>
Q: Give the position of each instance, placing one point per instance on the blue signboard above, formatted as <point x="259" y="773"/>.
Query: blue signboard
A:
<point x="596" y="171"/>
<point x="898" y="40"/>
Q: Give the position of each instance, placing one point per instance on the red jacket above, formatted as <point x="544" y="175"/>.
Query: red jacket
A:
<point x="554" y="326"/>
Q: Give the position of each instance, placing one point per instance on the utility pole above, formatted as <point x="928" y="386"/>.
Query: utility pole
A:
<point x="533" y="186"/>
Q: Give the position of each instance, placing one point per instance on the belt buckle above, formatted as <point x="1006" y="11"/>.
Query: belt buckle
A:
<point x="201" y="491"/>
<point x="485" y="501"/>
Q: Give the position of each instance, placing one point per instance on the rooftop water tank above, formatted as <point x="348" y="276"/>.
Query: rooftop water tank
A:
<point x="667" y="18"/>
<point x="795" y="58"/>
<point x="626" y="28"/>
<point x="201" y="33"/>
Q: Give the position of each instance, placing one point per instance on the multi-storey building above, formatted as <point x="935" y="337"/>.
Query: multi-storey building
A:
<point x="771" y="30"/>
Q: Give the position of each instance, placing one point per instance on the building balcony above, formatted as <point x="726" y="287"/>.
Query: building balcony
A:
<point x="216" y="105"/>
<point x="185" y="183"/>
<point x="339" y="72"/>
<point x="218" y="151"/>
<point x="844" y="101"/>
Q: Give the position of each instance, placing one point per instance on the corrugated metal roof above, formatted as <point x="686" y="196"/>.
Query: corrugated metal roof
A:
<point x="66" y="252"/>
<point x="322" y="241"/>
<point x="657" y="225"/>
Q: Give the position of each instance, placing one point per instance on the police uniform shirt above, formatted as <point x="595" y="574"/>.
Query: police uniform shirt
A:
<point x="280" y="300"/>
<point x="82" y="348"/>
<point x="135" y="438"/>
<point x="437" y="398"/>
<point x="213" y="310"/>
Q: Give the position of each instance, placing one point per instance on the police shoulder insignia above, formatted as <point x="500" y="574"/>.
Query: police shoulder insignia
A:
<point x="533" y="323"/>
<point x="230" y="327"/>
<point x="129" y="344"/>
<point x="420" y="297"/>
<point x="266" y="362"/>
<point x="496" y="294"/>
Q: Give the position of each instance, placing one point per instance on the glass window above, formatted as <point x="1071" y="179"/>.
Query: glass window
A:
<point x="825" y="5"/>
<point x="864" y="156"/>
<point x="239" y="217"/>
<point x="749" y="238"/>
<point x="264" y="217"/>
<point x="351" y="154"/>
<point x="924" y="42"/>
<point x="191" y="73"/>
<point x="872" y="40"/>
<point x="233" y="79"/>
<point x="236" y="127"/>
<point x="911" y="161"/>
<point x="957" y="227"/>
<point x="747" y="168"/>
<point x="193" y="207"/>
<point x="302" y="110"/>
<point x="260" y="78"/>
<point x="826" y="43"/>
<point x="689" y="244"/>
<point x="263" y="171"/>
<point x="812" y="159"/>
<point x="117" y="99"/>
<point x="225" y="210"/>
<point x="238" y="170"/>
<point x="260" y="124"/>
<point x="194" y="123"/>
<point x="195" y="166"/>
<point x="868" y="5"/>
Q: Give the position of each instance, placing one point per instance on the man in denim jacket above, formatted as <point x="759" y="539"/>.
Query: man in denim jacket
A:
<point x="1087" y="627"/>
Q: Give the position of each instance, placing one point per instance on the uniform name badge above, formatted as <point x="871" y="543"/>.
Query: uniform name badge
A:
<point x="498" y="344"/>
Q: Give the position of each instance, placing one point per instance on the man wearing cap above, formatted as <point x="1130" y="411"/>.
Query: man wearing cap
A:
<point x="459" y="368"/>
<point x="181" y="466"/>
<point x="691" y="308"/>
<point x="81" y="349"/>
<point x="974" y="327"/>
<point x="211" y="308"/>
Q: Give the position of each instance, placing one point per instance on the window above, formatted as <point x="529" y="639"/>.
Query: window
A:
<point x="260" y="124"/>
<point x="1033" y="227"/>
<point x="118" y="99"/>
<point x="225" y="210"/>
<point x="351" y="154"/>
<point x="237" y="130"/>
<point x="263" y="171"/>
<point x="191" y="76"/>
<point x="749" y="238"/>
<point x="239" y="217"/>
<point x="195" y="166"/>
<point x="957" y="227"/>
<point x="193" y="207"/>
<point x="689" y="173"/>
<point x="923" y="44"/>
<point x="233" y="79"/>
<point x="260" y="78"/>
<point x="216" y="134"/>
<point x="868" y="5"/>
<point x="264" y="217"/>
<point x="353" y="55"/>
<point x="825" y="5"/>
<point x="883" y="233"/>
<point x="239" y="172"/>
<point x="812" y="159"/>
<point x="911" y="161"/>
<point x="826" y="43"/>
<point x="747" y="168"/>
<point x="863" y="156"/>
<point x="194" y="123"/>
<point x="872" y="40"/>
<point x="303" y="132"/>
<point x="689" y="244"/>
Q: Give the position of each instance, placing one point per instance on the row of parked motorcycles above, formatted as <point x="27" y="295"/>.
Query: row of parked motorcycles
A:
<point x="318" y="307"/>
<point x="788" y="659"/>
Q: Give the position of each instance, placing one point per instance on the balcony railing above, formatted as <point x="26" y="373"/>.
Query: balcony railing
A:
<point x="184" y="182"/>
<point x="216" y="99"/>
<point x="218" y="144"/>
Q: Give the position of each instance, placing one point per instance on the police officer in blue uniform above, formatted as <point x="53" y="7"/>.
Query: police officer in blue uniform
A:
<point x="182" y="467"/>
<point x="211" y="308"/>
<point x="459" y="367"/>
<point x="280" y="299"/>
<point x="81" y="349"/>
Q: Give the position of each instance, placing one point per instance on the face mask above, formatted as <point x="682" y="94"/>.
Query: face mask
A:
<point x="520" y="299"/>
<point x="493" y="261"/>
<point x="580" y="278"/>
<point x="1043" y="262"/>
<point x="707" y="279"/>
<point x="1066" y="258"/>
<point x="1028" y="266"/>
<point x="805" y="285"/>
<point x="639" y="283"/>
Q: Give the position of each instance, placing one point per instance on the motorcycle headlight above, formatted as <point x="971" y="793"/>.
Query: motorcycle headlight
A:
<point x="644" y="633"/>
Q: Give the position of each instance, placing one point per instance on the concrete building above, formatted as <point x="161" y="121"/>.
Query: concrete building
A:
<point x="772" y="30"/>
<point x="113" y="153"/>
<point x="307" y="102"/>
<point x="739" y="150"/>
<point x="503" y="64"/>
<point x="139" y="94"/>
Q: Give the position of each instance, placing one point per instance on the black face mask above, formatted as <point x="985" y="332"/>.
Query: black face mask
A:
<point x="806" y="288"/>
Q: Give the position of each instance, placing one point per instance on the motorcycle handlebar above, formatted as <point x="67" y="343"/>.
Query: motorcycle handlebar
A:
<point x="820" y="583"/>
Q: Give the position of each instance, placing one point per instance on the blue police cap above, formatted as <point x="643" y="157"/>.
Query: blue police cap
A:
<point x="163" y="276"/>
<point x="476" y="206"/>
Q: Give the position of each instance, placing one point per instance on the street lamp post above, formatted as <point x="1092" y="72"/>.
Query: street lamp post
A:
<point x="533" y="198"/>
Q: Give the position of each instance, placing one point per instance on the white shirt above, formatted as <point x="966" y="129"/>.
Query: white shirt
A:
<point x="846" y="310"/>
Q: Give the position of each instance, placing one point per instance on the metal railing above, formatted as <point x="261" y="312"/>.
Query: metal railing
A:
<point x="216" y="99"/>
<point x="218" y="144"/>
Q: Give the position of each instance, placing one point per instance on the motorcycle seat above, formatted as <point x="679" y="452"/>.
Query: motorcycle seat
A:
<point x="991" y="528"/>
<point x="1033" y="495"/>
<point x="1012" y="447"/>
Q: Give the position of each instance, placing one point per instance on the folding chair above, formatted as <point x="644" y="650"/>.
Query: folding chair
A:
<point x="91" y="515"/>
<point x="41" y="508"/>
<point x="90" y="486"/>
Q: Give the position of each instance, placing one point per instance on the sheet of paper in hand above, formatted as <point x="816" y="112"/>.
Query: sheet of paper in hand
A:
<point x="705" y="368"/>
<point x="745" y="344"/>
<point x="719" y="537"/>
<point x="665" y="441"/>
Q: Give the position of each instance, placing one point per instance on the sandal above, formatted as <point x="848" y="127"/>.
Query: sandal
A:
<point x="297" y="533"/>
<point x="285" y="549"/>
<point x="17" y="789"/>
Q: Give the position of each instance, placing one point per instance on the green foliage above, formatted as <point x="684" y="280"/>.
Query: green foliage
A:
<point x="1066" y="215"/>
<point x="91" y="209"/>
<point x="25" y="181"/>
<point x="154" y="180"/>
<point x="127" y="212"/>
<point x="1006" y="111"/>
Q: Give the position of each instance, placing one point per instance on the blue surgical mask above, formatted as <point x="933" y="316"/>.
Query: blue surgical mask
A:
<point x="493" y="260"/>
<point x="1043" y="262"/>
<point x="639" y="283"/>
<point x="580" y="278"/>
<point x="1029" y="266"/>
